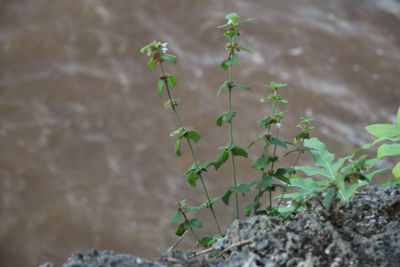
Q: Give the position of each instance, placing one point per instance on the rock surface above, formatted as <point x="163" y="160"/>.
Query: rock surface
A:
<point x="363" y="232"/>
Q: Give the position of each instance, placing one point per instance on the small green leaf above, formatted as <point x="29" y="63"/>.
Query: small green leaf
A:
<point x="178" y="132"/>
<point x="277" y="141"/>
<point x="274" y="85"/>
<point x="243" y="188"/>
<point x="260" y="163"/>
<point x="221" y="160"/>
<point x="279" y="174"/>
<point x="220" y="120"/>
<point x="228" y="116"/>
<point x="245" y="49"/>
<point x="172" y="81"/>
<point x="388" y="150"/>
<point x="224" y="64"/>
<point x="266" y="181"/>
<point x="396" y="170"/>
<point x="192" y="178"/>
<point x="206" y="241"/>
<point x="238" y="151"/>
<point x="329" y="196"/>
<point x="232" y="16"/>
<point x="178" y="146"/>
<point x="226" y="197"/>
<point x="160" y="87"/>
<point x="145" y="48"/>
<point x="181" y="229"/>
<point x="383" y="131"/>
<point x="194" y="223"/>
<point x="224" y="86"/>
<point x="152" y="64"/>
<point x="255" y="141"/>
<point x="394" y="181"/>
<point x="398" y="118"/>
<point x="195" y="136"/>
<point x="170" y="58"/>
<point x="175" y="217"/>
<point x="243" y="87"/>
<point x="244" y="21"/>
<point x="233" y="60"/>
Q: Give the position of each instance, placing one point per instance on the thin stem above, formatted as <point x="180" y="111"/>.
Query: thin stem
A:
<point x="294" y="166"/>
<point x="231" y="141"/>
<point x="272" y="167"/>
<point x="191" y="150"/>
<point x="190" y="228"/>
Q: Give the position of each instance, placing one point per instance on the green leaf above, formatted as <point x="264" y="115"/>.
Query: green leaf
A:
<point x="152" y="64"/>
<point x="181" y="229"/>
<point x="195" y="136"/>
<point x="329" y="196"/>
<point x="394" y="181"/>
<point x="280" y="174"/>
<point x="277" y="141"/>
<point x="274" y="85"/>
<point x="232" y="16"/>
<point x="206" y="241"/>
<point x="172" y="81"/>
<point x="194" y="223"/>
<point x="224" y="26"/>
<point x="266" y="181"/>
<point x="221" y="160"/>
<point x="383" y="130"/>
<point x="175" y="217"/>
<point x="178" y="147"/>
<point x="228" y="116"/>
<point x="304" y="187"/>
<point x="233" y="60"/>
<point x="160" y="87"/>
<point x="224" y="86"/>
<point x="398" y="118"/>
<point x="145" y="48"/>
<point x="226" y="197"/>
<point x="224" y="64"/>
<point x="396" y="170"/>
<point x="243" y="87"/>
<point x="260" y="163"/>
<point x="238" y="151"/>
<point x="181" y="131"/>
<point x="170" y="58"/>
<point x="192" y="178"/>
<point x="245" y="49"/>
<point x="255" y="141"/>
<point x="244" y="21"/>
<point x="388" y="150"/>
<point x="243" y="188"/>
<point x="346" y="192"/>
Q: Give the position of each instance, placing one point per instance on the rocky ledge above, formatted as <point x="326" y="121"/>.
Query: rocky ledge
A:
<point x="363" y="232"/>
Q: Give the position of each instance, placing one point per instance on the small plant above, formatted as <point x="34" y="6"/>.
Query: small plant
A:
<point x="333" y="178"/>
<point x="387" y="132"/>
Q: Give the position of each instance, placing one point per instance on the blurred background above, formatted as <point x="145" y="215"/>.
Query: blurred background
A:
<point x="86" y="159"/>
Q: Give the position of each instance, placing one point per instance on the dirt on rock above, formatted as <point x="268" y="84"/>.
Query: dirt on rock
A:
<point x="363" y="232"/>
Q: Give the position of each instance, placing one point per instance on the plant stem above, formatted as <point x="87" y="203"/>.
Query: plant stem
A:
<point x="231" y="141"/>
<point x="191" y="229"/>
<point x="294" y="166"/>
<point x="191" y="150"/>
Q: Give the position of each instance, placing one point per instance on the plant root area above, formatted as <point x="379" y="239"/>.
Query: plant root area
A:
<point x="363" y="232"/>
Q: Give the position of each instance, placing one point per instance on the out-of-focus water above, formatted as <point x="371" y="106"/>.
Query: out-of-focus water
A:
<point x="86" y="160"/>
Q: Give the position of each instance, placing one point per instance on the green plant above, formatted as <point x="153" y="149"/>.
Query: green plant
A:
<point x="328" y="176"/>
<point x="158" y="54"/>
<point x="387" y="132"/>
<point x="233" y="48"/>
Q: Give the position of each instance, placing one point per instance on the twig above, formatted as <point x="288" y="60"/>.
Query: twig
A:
<point x="177" y="242"/>
<point x="245" y="242"/>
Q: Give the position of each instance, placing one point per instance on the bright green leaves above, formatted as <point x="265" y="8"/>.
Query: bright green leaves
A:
<point x="164" y="79"/>
<point x="184" y="133"/>
<point x="169" y="57"/>
<point x="387" y="132"/>
<point x="232" y="60"/>
<point x="235" y="150"/>
<point x="152" y="63"/>
<point x="240" y="188"/>
<point x="260" y="163"/>
<point x="233" y="21"/>
<point x="274" y="85"/>
<point x="176" y="217"/>
<point x="223" y="157"/>
<point x="193" y="223"/>
<point x="274" y="97"/>
<point x="388" y="150"/>
<point x="275" y="118"/>
<point x="207" y="241"/>
<point x="228" y="116"/>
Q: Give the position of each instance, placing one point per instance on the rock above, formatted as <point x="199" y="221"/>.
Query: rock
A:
<point x="363" y="232"/>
